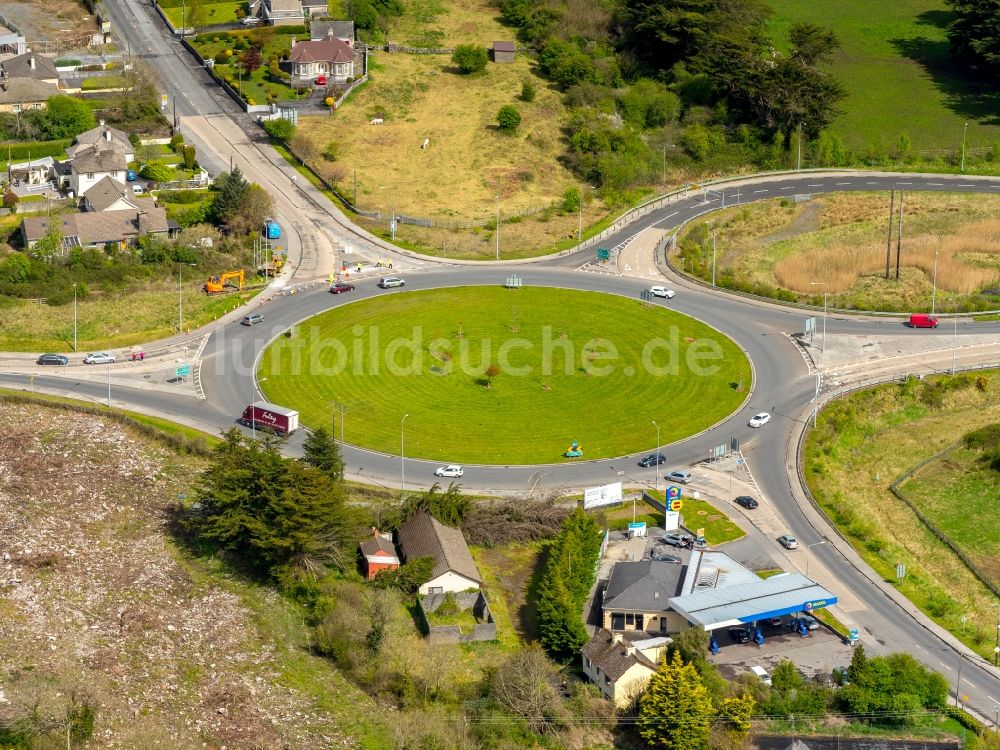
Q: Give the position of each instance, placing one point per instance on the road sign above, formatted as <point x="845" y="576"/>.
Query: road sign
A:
<point x="182" y="371"/>
<point x="734" y="445"/>
<point x="854" y="635"/>
<point x="900" y="570"/>
<point x="163" y="101"/>
<point x="603" y="253"/>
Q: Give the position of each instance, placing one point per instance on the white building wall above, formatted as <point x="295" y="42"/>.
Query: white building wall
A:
<point x="448" y="581"/>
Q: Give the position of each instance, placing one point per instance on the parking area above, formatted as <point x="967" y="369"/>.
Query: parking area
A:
<point x="815" y="654"/>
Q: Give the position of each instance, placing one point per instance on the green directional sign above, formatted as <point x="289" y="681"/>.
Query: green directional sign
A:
<point x="603" y="253"/>
<point x="182" y="371"/>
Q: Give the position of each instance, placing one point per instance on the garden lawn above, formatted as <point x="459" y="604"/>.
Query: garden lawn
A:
<point x="899" y="77"/>
<point x="424" y="354"/>
<point x="697" y="514"/>
<point x="258" y="85"/>
<point x="214" y="13"/>
<point x="862" y="443"/>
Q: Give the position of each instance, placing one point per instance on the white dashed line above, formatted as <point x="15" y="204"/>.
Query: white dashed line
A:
<point x="935" y="184"/>
<point x="760" y="191"/>
<point x="966" y="185"/>
<point x="786" y="187"/>
<point x="871" y="182"/>
<point x="842" y="183"/>
<point x="904" y="183"/>
<point x="815" y="184"/>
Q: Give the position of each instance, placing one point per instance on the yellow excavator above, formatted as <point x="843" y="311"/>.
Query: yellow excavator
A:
<point x="218" y="284"/>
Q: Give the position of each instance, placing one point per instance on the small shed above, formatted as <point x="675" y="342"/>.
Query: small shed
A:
<point x="378" y="553"/>
<point x="503" y="52"/>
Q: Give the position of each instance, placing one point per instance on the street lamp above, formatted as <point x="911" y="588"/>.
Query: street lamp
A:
<point x="814" y="544"/>
<point x="934" y="283"/>
<point x="656" y="461"/>
<point x="713" y="255"/>
<point x="965" y="129"/>
<point x="402" y="455"/>
<point x="579" y="226"/>
<point x="180" y="297"/>
<point x="253" y="412"/>
<point x="110" y="334"/>
<point x="498" y="226"/>
<point x="822" y="283"/>
<point x="798" y="166"/>
<point x="74" y="316"/>
<point x="819" y="385"/>
<point x="954" y="352"/>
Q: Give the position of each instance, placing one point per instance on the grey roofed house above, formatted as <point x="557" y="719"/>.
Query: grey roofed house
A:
<point x="375" y="544"/>
<point x="643" y="585"/>
<point x="424" y="536"/>
<point x="30" y="65"/>
<point x="615" y="654"/>
<point x="96" y="159"/>
<point x="26" y="91"/>
<point x="343" y="30"/>
<point x="99" y="227"/>
<point x="105" y="135"/>
<point x="106" y="193"/>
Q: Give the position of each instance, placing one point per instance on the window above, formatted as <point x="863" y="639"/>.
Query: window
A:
<point x="617" y="621"/>
<point x="663" y="624"/>
<point x="638" y="621"/>
<point x="435" y="590"/>
<point x="90" y="175"/>
<point x="630" y="619"/>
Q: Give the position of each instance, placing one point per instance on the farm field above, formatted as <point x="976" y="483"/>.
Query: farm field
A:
<point x="898" y="74"/>
<point x="426" y="354"/>
<point x="867" y="439"/>
<point x="841" y="238"/>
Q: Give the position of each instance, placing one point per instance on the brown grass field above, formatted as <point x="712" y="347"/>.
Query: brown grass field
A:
<point x="840" y="239"/>
<point x="469" y="163"/>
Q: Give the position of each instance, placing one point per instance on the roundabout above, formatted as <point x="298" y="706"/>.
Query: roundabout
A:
<point x="490" y="375"/>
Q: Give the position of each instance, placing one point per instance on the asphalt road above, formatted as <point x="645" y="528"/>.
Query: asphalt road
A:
<point x="782" y="382"/>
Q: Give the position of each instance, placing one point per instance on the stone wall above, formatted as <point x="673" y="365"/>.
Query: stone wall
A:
<point x="484" y="630"/>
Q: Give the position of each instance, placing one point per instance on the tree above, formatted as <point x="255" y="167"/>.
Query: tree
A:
<point x="251" y="58"/>
<point x="280" y="129"/>
<point x="189" y="155"/>
<point x="66" y="116"/>
<point x="448" y="507"/>
<point x="508" y="118"/>
<point x="138" y="98"/>
<point x="321" y="451"/>
<point x="49" y="247"/>
<point x="491" y="371"/>
<point x="231" y="188"/>
<point x="10" y="200"/>
<point x="975" y="35"/>
<point x="470" y="58"/>
<point x="527" y="91"/>
<point x="675" y="712"/>
<point x="407" y="577"/>
<point x="526" y="684"/>
<point x="251" y="213"/>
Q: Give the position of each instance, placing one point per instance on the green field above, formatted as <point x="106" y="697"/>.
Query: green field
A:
<point x="899" y="77"/>
<point x="960" y="494"/>
<point x="571" y="367"/>
<point x="214" y="13"/>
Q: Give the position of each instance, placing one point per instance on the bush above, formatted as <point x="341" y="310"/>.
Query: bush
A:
<point x="527" y="91"/>
<point x="280" y="129"/>
<point x="157" y="172"/>
<point x="176" y="143"/>
<point x="67" y="63"/>
<point x="469" y="58"/>
<point x="508" y="118"/>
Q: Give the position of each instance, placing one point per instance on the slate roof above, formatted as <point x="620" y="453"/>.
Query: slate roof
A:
<point x="425" y="536"/>
<point x="614" y="659"/>
<point x="374" y="545"/>
<point x="97" y="227"/>
<point x="327" y="50"/>
<point x="503" y="46"/>
<point x="284" y="6"/>
<point x="643" y="586"/>
<point x="103" y="134"/>
<point x="26" y="90"/>
<point x="20" y="67"/>
<point x="105" y="193"/>
<point x="95" y="159"/>
<point x="319" y="30"/>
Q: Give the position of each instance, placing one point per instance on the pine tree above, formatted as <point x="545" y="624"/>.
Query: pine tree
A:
<point x="231" y="189"/>
<point x="675" y="711"/>
<point x="322" y="451"/>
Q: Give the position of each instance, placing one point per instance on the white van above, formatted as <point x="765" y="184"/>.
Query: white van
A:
<point x="761" y="674"/>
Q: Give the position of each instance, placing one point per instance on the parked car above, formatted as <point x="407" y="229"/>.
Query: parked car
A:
<point x="340" y="287"/>
<point x="250" y="21"/>
<point x="53" y="359"/>
<point x="138" y="189"/>
<point x="922" y="320"/>
<point x="740" y="635"/>
<point x="661" y="291"/>
<point x="130" y="175"/>
<point x="449" y="471"/>
<point x="759" y="420"/>
<point x="675" y="540"/>
<point x="809" y="620"/>
<point x="388" y="282"/>
<point x="774" y="622"/>
<point x="840" y="676"/>
<point x="665" y="557"/>
<point x="681" y="476"/>
<point x="653" y="459"/>
<point x="746" y="501"/>
<point x="761" y="674"/>
<point x="788" y="542"/>
<point x="99" y="358"/>
<point x="252" y="319"/>
<point x="321" y="80"/>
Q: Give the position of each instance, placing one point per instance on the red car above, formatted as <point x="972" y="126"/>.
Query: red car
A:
<point x="321" y="81"/>
<point x="340" y="287"/>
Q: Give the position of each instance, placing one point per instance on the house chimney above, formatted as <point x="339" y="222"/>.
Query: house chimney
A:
<point x="107" y="135"/>
<point x="616" y="638"/>
<point x="374" y="531"/>
<point x="630" y="650"/>
<point x="31" y="62"/>
<point x="101" y="123"/>
<point x="293" y="42"/>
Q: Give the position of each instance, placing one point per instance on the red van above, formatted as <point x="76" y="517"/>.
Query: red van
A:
<point x="922" y="320"/>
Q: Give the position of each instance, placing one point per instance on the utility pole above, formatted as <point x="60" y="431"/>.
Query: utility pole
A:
<point x="934" y="283"/>
<point x="888" y="241"/>
<point x="498" y="226"/>
<point x="965" y="129"/>
<point x="402" y="455"/>
<point x="355" y="200"/>
<point x="74" y="316"/>
<point x="798" y="167"/>
<point x="899" y="234"/>
<point x="713" y="256"/>
<point x="180" y="299"/>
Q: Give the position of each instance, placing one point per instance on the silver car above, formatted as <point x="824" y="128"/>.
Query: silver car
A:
<point x="99" y="358"/>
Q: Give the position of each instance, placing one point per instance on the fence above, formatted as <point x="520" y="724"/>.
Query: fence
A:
<point x="932" y="527"/>
<point x="826" y="398"/>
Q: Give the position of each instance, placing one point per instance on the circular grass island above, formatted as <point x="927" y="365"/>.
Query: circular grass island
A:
<point x="489" y="375"/>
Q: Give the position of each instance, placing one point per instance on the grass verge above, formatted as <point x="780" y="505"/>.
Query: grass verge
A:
<point x="698" y="514"/>
<point x="866" y="439"/>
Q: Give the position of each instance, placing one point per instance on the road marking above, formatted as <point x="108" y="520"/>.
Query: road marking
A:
<point x="871" y="182"/>
<point x="904" y="183"/>
<point x="935" y="184"/>
<point x="786" y="187"/>
<point x="842" y="183"/>
<point x="761" y="191"/>
<point x="993" y="699"/>
<point x="965" y="185"/>
<point x="945" y="666"/>
<point x="815" y="184"/>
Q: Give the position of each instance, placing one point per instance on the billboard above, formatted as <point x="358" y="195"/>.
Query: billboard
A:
<point x="672" y="515"/>
<point x="606" y="494"/>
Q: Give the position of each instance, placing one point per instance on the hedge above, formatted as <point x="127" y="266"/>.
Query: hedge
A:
<point x="35" y="150"/>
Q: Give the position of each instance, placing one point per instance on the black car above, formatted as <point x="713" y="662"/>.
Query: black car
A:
<point x="746" y="501"/>
<point x="740" y="635"/>
<point x="653" y="459"/>
<point x="664" y="557"/>
<point x="53" y="359"/>
<point x="340" y="287"/>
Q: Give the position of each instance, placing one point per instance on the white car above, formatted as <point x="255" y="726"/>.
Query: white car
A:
<point x="759" y="420"/>
<point x="250" y="21"/>
<point x="99" y="358"/>
<point x="661" y="291"/>
<point x="452" y="472"/>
